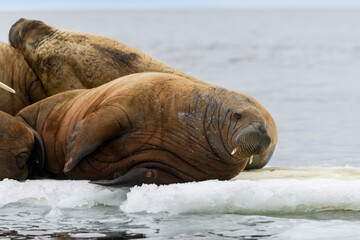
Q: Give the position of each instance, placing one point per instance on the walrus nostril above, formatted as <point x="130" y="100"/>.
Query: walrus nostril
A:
<point x="262" y="129"/>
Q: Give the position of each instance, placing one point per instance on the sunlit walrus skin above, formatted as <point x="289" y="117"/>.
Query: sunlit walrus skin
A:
<point x="16" y="73"/>
<point x="66" y="60"/>
<point x="143" y="128"/>
<point x="62" y="60"/>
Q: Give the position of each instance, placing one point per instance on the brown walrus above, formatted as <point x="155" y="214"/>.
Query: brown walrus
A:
<point x="16" y="73"/>
<point x="142" y="128"/>
<point x="16" y="145"/>
<point x="63" y="60"/>
<point x="66" y="60"/>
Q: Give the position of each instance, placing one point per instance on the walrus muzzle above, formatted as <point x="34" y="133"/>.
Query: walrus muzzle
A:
<point x="253" y="139"/>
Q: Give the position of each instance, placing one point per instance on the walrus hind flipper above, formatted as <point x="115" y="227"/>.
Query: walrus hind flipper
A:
<point x="139" y="176"/>
<point x="90" y="133"/>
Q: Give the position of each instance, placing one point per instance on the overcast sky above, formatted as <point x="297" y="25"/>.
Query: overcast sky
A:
<point x="14" y="5"/>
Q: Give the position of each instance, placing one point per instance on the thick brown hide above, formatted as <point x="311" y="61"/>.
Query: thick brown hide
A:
<point x="16" y="73"/>
<point x="16" y="145"/>
<point x="169" y="128"/>
<point x="66" y="60"/>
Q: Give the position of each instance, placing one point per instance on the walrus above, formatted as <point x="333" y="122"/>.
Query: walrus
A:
<point x="142" y="128"/>
<point x="66" y="60"/>
<point x="16" y="73"/>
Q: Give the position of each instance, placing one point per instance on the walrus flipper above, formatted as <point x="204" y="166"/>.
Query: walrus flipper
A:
<point x="133" y="177"/>
<point x="91" y="132"/>
<point x="139" y="176"/>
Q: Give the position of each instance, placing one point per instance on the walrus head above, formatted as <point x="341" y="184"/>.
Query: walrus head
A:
<point x="24" y="27"/>
<point x="16" y="144"/>
<point x="249" y="136"/>
<point x="247" y="130"/>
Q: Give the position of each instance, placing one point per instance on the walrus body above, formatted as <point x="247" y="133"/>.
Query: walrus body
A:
<point x="16" y="73"/>
<point x="148" y="128"/>
<point x="42" y="61"/>
<point x="66" y="60"/>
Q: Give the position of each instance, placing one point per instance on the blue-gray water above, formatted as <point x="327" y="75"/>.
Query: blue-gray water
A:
<point x="303" y="66"/>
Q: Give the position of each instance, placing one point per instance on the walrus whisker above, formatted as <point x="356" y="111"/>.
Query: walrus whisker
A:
<point x="6" y="87"/>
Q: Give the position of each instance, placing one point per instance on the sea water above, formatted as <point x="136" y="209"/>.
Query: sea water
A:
<point x="302" y="65"/>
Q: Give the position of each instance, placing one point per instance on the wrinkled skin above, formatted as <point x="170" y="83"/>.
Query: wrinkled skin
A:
<point x="16" y="73"/>
<point x="16" y="145"/>
<point x="63" y="60"/>
<point x="66" y="60"/>
<point x="169" y="130"/>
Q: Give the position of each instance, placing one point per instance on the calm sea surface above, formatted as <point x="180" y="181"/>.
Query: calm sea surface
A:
<point x="303" y="66"/>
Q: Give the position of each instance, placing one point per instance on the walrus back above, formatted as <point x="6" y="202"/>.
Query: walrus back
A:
<point x="66" y="60"/>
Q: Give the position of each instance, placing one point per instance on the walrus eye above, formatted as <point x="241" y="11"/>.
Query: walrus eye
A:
<point x="237" y="116"/>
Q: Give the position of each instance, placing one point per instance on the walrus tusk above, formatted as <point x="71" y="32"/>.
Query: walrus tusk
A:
<point x="251" y="159"/>
<point x="6" y="87"/>
<point x="234" y="151"/>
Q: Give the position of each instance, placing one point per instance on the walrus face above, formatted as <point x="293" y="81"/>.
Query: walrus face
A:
<point x="245" y="130"/>
<point x="249" y="136"/>
<point x="16" y="144"/>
